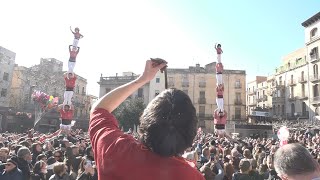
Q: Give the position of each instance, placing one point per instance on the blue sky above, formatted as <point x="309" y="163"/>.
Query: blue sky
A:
<point x="121" y="35"/>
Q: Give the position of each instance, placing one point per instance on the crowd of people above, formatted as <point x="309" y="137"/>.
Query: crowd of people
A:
<point x="35" y="156"/>
<point x="168" y="146"/>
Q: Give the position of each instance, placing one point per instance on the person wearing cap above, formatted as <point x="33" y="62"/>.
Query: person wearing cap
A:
<point x="11" y="171"/>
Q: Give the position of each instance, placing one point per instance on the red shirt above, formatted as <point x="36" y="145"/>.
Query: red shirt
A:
<point x="66" y="114"/>
<point x="218" y="120"/>
<point x="70" y="82"/>
<point x="219" y="67"/>
<point x="119" y="156"/>
<point x="219" y="50"/>
<point x="73" y="54"/>
<point x="220" y="91"/>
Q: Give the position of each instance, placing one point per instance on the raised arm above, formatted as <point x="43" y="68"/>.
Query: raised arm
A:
<point x="71" y="30"/>
<point x="114" y="98"/>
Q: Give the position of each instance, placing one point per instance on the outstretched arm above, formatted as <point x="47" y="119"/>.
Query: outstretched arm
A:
<point x="81" y="36"/>
<point x="71" y="30"/>
<point x="114" y="98"/>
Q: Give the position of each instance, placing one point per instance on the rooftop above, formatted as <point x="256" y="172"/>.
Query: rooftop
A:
<point x="311" y="20"/>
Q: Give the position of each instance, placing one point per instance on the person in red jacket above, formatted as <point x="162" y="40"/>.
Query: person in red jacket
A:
<point x="66" y="115"/>
<point x="77" y="36"/>
<point x="168" y="127"/>
<point x="70" y="82"/>
<point x="219" y="99"/>
<point x="219" y="70"/>
<point x="220" y="120"/>
<point x="73" y="55"/>
<point x="219" y="52"/>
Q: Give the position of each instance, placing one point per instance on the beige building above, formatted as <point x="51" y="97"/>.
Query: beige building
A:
<point x="200" y="84"/>
<point x="48" y="78"/>
<point x="294" y="86"/>
<point x="147" y="92"/>
<point x="7" y="61"/>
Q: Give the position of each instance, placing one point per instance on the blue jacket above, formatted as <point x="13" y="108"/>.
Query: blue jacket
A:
<point x="15" y="174"/>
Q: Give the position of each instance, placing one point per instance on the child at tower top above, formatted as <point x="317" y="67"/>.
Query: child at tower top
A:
<point x="218" y="48"/>
<point x="219" y="52"/>
<point x="77" y="36"/>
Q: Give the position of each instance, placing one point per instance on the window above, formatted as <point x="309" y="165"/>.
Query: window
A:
<point x="157" y="80"/>
<point x="202" y="110"/>
<point x="291" y="79"/>
<point x="5" y="76"/>
<point x="304" y="108"/>
<point x="278" y="109"/>
<point x="314" y="53"/>
<point x="78" y="89"/>
<point x="315" y="91"/>
<point x="108" y="90"/>
<point x="314" y="32"/>
<point x="293" y="109"/>
<point x="140" y="92"/>
<point x="282" y="110"/>
<point x="238" y="85"/>
<point x="4" y="92"/>
<point x="292" y="92"/>
<point x="238" y="96"/>
<point x="316" y="111"/>
<point x="315" y="70"/>
<point x="280" y="80"/>
<point x="237" y="113"/>
<point x="156" y="92"/>
<point x="202" y="94"/>
<point x="263" y="106"/>
<point x="303" y="90"/>
<point x="83" y="91"/>
<point x="274" y="109"/>
<point x="302" y="75"/>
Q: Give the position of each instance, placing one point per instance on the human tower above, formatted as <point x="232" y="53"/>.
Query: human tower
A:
<point x="66" y="109"/>
<point x="220" y="115"/>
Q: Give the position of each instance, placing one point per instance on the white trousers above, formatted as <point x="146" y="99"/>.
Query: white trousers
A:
<point x="67" y="127"/>
<point x="75" y="42"/>
<point x="219" y="58"/>
<point x="71" y="66"/>
<point x="219" y="79"/>
<point x="220" y="103"/>
<point x="67" y="97"/>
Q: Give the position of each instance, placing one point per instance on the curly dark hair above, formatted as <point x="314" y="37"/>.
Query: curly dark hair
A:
<point x="169" y="123"/>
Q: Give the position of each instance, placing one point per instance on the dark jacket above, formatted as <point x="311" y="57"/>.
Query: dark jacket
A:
<point x="72" y="160"/>
<point x="24" y="166"/>
<point x="15" y="174"/>
<point x="85" y="176"/>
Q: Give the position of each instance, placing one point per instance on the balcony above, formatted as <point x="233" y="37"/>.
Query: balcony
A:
<point x="253" y="103"/>
<point x="252" y="92"/>
<point x="237" y="86"/>
<point x="202" y="101"/>
<point x="302" y="79"/>
<point x="202" y="84"/>
<point x="278" y="99"/>
<point x="291" y="98"/>
<point x="314" y="58"/>
<point x="292" y="82"/>
<point x="280" y="86"/>
<point x="263" y="98"/>
<point x="314" y="78"/>
<point x="237" y="102"/>
<point x="315" y="100"/>
<point x="296" y="115"/>
<point x="185" y="84"/>
<point x="302" y="97"/>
